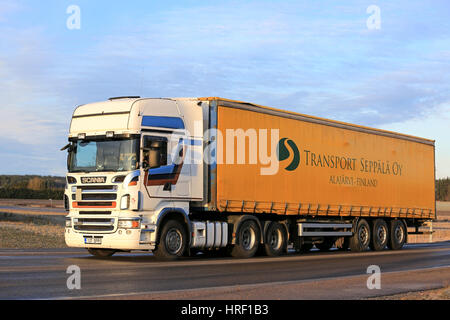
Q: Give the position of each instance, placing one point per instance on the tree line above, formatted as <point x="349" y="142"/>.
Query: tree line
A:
<point x="31" y="187"/>
<point x="443" y="189"/>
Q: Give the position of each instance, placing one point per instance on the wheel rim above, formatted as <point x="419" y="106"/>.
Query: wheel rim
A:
<point x="363" y="235"/>
<point x="382" y="234"/>
<point x="399" y="234"/>
<point x="275" y="239"/>
<point x="248" y="238"/>
<point x="174" y="240"/>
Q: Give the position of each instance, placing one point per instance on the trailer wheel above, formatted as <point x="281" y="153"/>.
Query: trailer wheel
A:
<point x="397" y="232"/>
<point x="380" y="235"/>
<point x="361" y="238"/>
<point x="275" y="241"/>
<point x="101" y="253"/>
<point x="247" y="240"/>
<point x="172" y="242"/>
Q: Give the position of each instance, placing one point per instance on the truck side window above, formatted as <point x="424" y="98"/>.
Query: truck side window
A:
<point x="155" y="151"/>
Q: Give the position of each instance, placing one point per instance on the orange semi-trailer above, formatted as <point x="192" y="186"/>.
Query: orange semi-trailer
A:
<point x="180" y="175"/>
<point x="335" y="184"/>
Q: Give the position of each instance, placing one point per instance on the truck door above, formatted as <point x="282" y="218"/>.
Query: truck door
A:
<point x="156" y="165"/>
<point x="163" y="161"/>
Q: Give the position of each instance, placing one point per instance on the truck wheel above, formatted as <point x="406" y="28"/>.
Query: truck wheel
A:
<point x="397" y="232"/>
<point x="247" y="241"/>
<point x="172" y="242"/>
<point x="380" y="235"/>
<point x="275" y="241"/>
<point x="102" y="253"/>
<point x="361" y="238"/>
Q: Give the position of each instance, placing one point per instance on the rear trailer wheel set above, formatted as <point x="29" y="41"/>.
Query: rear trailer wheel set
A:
<point x="252" y="236"/>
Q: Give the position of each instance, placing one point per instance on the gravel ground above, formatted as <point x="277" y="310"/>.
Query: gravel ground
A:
<point x="438" y="294"/>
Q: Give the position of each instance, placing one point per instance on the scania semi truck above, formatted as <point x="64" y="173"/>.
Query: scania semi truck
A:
<point x="179" y="176"/>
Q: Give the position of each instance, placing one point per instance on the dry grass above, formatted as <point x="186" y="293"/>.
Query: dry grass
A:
<point x="441" y="226"/>
<point x="25" y="235"/>
<point x="441" y="232"/>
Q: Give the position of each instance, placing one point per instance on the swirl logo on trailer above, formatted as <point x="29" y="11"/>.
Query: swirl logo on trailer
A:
<point x="287" y="150"/>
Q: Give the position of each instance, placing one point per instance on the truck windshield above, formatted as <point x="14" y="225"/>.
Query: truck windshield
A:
<point x="92" y="155"/>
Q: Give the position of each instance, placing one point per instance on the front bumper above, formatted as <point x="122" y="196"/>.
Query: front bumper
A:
<point x="121" y="239"/>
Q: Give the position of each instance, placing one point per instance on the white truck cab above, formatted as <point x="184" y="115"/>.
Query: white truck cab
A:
<point x="129" y="165"/>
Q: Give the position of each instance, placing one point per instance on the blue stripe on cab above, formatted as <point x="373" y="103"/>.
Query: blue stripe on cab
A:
<point x="162" y="170"/>
<point x="163" y="122"/>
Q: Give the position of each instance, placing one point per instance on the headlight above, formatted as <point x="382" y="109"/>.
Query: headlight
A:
<point x="71" y="180"/>
<point x="118" y="179"/>
<point x="129" y="223"/>
<point x="125" y="202"/>
<point x="68" y="223"/>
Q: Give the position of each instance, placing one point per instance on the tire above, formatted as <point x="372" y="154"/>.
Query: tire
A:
<point x="172" y="241"/>
<point x="361" y="238"/>
<point x="397" y="235"/>
<point x="247" y="240"/>
<point x="380" y="235"/>
<point x="275" y="240"/>
<point x="102" y="253"/>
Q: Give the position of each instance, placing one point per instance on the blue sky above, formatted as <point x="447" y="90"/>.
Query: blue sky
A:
<point x="313" y="57"/>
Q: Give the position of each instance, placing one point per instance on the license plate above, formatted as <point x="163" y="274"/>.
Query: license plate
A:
<point x="91" y="240"/>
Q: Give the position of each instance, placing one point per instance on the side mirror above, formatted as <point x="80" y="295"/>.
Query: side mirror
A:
<point x="178" y="155"/>
<point x="67" y="146"/>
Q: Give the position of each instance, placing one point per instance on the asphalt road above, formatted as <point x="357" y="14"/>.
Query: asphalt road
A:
<point x="42" y="274"/>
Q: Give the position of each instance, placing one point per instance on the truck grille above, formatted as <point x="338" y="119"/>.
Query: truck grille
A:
<point x="93" y="224"/>
<point x="95" y="196"/>
<point x="96" y="204"/>
<point x="95" y="212"/>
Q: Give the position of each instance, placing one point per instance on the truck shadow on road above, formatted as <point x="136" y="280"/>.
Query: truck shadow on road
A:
<point x="126" y="257"/>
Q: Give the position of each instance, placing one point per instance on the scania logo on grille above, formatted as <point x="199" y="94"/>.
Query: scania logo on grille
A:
<point x="93" y="179"/>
